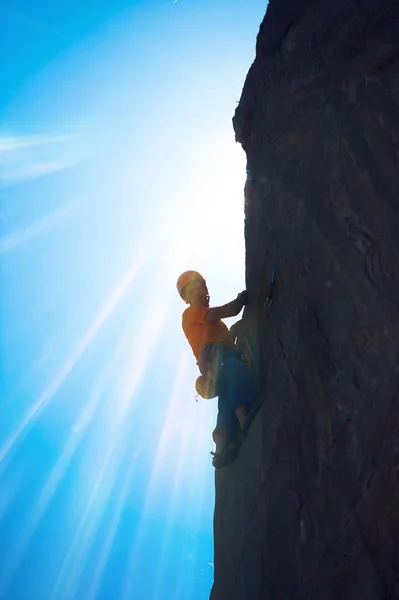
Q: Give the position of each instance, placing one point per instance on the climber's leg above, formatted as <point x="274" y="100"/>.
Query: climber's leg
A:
<point x="236" y="404"/>
<point x="239" y="389"/>
<point x="220" y="437"/>
<point x="226" y="423"/>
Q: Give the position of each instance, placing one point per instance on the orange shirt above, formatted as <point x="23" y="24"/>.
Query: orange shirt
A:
<point x="199" y="332"/>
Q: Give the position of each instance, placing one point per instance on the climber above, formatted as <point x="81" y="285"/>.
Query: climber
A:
<point x="222" y="365"/>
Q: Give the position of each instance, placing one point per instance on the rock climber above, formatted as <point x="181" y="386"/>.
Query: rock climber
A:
<point x="224" y="371"/>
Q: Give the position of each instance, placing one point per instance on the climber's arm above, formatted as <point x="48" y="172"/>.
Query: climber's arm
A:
<point x="231" y="309"/>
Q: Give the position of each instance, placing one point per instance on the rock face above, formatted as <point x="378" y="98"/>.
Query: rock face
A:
<point x="310" y="509"/>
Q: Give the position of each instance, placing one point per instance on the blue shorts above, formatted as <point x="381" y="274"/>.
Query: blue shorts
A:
<point x="234" y="383"/>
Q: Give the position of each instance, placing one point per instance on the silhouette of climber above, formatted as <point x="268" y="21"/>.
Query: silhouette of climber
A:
<point x="224" y="371"/>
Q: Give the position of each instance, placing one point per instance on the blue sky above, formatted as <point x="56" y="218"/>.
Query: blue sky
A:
<point x="119" y="170"/>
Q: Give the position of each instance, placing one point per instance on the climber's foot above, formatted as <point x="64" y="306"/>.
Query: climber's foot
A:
<point x="225" y="455"/>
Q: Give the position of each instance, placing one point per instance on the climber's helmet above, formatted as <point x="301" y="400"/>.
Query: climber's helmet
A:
<point x="186" y="278"/>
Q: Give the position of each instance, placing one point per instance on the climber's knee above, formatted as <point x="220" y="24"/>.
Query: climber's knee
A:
<point x="220" y="436"/>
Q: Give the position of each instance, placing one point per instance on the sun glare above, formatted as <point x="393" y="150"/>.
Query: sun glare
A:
<point x="100" y="380"/>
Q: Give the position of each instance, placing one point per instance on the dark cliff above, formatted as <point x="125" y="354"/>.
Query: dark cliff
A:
<point x="310" y="508"/>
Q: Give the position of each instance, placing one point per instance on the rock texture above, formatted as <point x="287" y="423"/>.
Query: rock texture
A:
<point x="310" y="509"/>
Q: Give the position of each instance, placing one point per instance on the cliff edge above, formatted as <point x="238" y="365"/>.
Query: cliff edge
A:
<point x="310" y="508"/>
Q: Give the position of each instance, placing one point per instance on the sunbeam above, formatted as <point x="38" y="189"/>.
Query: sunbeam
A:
<point x="112" y="531"/>
<point x="176" y="438"/>
<point x="31" y="156"/>
<point x="175" y="493"/>
<point x="46" y="396"/>
<point x="41" y="360"/>
<point x="13" y="143"/>
<point x="38" y="510"/>
<point x="18" y="239"/>
<point x="64" y="585"/>
<point x="131" y="375"/>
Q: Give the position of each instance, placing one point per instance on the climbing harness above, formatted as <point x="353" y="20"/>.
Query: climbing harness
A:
<point x="348" y="418"/>
<point x="210" y="364"/>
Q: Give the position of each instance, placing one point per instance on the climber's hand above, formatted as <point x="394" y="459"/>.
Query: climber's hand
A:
<point x="227" y="310"/>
